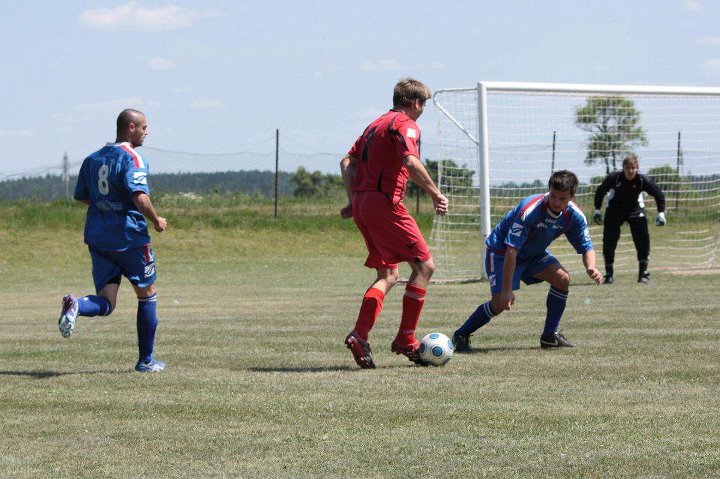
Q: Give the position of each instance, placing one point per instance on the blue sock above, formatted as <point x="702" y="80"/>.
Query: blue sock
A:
<point x="482" y="315"/>
<point x="556" y="302"/>
<point x="92" y="305"/>
<point x="146" y="325"/>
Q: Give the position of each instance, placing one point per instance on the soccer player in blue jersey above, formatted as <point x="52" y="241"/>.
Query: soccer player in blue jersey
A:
<point x="113" y="183"/>
<point x="517" y="250"/>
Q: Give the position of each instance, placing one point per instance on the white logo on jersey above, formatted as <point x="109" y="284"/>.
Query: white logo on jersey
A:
<point x="516" y="229"/>
<point x="492" y="280"/>
<point x="140" y="177"/>
<point x="149" y="270"/>
<point x="586" y="234"/>
<point x="411" y="133"/>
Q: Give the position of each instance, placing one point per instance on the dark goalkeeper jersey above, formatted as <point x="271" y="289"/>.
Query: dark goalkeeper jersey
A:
<point x="627" y="195"/>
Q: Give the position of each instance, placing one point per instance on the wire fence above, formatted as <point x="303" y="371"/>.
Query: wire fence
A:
<point x="191" y="171"/>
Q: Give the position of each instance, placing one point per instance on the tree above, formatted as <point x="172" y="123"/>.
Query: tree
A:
<point x="313" y="184"/>
<point x="456" y="177"/>
<point x="615" y="129"/>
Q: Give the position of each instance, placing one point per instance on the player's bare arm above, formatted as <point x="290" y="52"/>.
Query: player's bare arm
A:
<point x="590" y="266"/>
<point x="420" y="176"/>
<point x="348" y="167"/>
<point x="145" y="206"/>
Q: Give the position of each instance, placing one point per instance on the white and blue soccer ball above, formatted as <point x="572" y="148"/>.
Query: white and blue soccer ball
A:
<point x="436" y="349"/>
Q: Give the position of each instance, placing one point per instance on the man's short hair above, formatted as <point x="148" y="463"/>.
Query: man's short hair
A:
<point x="564" y="180"/>
<point x="631" y="158"/>
<point x="126" y="117"/>
<point x="409" y="89"/>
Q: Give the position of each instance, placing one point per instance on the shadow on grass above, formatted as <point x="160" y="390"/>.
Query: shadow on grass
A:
<point x="48" y="374"/>
<point x="299" y="369"/>
<point x="325" y="369"/>
<point x="498" y="348"/>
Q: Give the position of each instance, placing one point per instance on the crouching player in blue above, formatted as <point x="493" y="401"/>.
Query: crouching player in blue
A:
<point x="113" y="183"/>
<point x="516" y="250"/>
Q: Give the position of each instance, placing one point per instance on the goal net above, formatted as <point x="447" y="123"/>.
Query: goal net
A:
<point x="499" y="142"/>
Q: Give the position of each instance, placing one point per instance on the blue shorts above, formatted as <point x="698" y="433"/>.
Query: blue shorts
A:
<point x="524" y="270"/>
<point x="137" y="265"/>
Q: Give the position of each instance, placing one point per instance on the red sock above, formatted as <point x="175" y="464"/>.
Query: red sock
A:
<point x="369" y="311"/>
<point x="410" y="314"/>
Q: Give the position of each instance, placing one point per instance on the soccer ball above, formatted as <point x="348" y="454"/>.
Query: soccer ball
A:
<point x="436" y="349"/>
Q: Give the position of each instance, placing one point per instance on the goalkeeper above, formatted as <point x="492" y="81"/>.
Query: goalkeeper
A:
<point x="516" y="250"/>
<point x="625" y="203"/>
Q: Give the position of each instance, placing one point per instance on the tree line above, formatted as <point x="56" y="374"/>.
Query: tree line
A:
<point x="253" y="182"/>
<point x="302" y="183"/>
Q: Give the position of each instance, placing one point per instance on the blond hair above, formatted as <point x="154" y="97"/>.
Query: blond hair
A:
<point x="409" y="89"/>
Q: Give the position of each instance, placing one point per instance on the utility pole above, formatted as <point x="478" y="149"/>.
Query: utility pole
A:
<point x="277" y="167"/>
<point x="66" y="175"/>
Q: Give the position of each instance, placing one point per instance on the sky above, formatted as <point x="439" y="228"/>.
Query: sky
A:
<point x="220" y="76"/>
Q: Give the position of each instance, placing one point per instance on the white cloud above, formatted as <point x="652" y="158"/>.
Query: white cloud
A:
<point x="206" y="104"/>
<point x="381" y="66"/>
<point x="601" y="68"/>
<point x="18" y="133"/>
<point x="117" y="105"/>
<point x="693" y="6"/>
<point x="327" y="69"/>
<point x="430" y="66"/>
<point x="712" y="65"/>
<point x="709" y="40"/>
<point x="133" y="16"/>
<point x="377" y="66"/>
<point x="395" y="65"/>
<point x="160" y="63"/>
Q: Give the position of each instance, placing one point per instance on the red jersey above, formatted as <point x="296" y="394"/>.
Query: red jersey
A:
<point x="379" y="153"/>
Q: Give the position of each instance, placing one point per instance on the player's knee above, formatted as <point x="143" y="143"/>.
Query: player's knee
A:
<point x="561" y="280"/>
<point x="389" y="276"/>
<point x="427" y="268"/>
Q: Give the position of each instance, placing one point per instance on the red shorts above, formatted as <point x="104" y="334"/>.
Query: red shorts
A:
<point x="391" y="234"/>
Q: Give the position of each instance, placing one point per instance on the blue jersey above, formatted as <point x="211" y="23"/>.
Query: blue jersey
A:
<point x="530" y="228"/>
<point x="108" y="179"/>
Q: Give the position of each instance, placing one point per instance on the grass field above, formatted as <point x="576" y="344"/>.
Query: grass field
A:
<point x="253" y="313"/>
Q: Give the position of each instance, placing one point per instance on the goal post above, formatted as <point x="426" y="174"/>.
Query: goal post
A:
<point x="500" y="141"/>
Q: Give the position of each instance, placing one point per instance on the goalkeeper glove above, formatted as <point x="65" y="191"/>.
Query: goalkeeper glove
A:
<point x="660" y="220"/>
<point x="597" y="217"/>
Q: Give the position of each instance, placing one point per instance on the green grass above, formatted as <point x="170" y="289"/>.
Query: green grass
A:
<point x="253" y="313"/>
<point x="212" y="211"/>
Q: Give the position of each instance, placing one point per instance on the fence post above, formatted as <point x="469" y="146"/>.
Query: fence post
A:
<point x="277" y="163"/>
<point x="66" y="175"/>
<point x="678" y="171"/>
